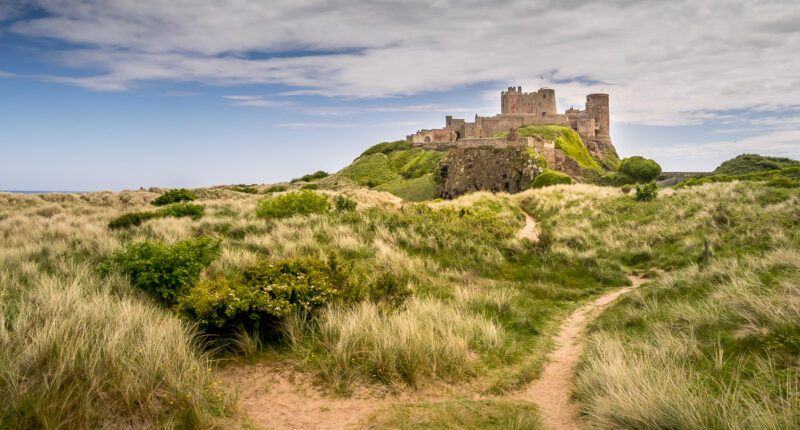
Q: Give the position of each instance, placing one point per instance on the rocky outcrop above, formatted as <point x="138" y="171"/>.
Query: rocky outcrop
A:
<point x="510" y="169"/>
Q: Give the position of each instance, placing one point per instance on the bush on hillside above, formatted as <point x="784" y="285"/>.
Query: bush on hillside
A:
<point x="342" y="203"/>
<point x="387" y="147"/>
<point x="646" y="192"/>
<point x="371" y="170"/>
<point x="265" y="293"/>
<point x="293" y="203"/>
<point x="166" y="271"/>
<point x="319" y="174"/>
<point x="791" y="173"/>
<point x="275" y="189"/>
<point x="178" y="210"/>
<point x="639" y="168"/>
<point x="310" y="187"/>
<point x="551" y="177"/>
<point x="131" y="219"/>
<point x="174" y="196"/>
<point x="616" y="179"/>
<point x="244" y="189"/>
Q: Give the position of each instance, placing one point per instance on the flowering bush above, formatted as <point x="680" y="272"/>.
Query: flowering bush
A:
<point x="264" y="293"/>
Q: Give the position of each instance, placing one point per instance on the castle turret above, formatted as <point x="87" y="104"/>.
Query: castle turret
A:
<point x="597" y="109"/>
<point x="546" y="102"/>
<point x="511" y="100"/>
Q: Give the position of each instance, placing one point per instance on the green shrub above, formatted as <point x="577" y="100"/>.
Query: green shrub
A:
<point x="390" y="289"/>
<point x="646" y="192"/>
<point x="639" y="168"/>
<point x="551" y="177"/>
<point x="625" y="189"/>
<point x="387" y="147"/>
<point x="174" y="196"/>
<point x="342" y="203"/>
<point x="275" y="189"/>
<point x="131" y="219"/>
<point x="265" y="293"/>
<point x="319" y="174"/>
<point x="783" y="182"/>
<point x="310" y="187"/>
<point x="293" y="203"/>
<point x="167" y="271"/>
<point x="183" y="209"/>
<point x="244" y="189"/>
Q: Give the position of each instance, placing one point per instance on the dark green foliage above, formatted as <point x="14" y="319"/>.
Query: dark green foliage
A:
<point x="167" y="271"/>
<point x="310" y="187"/>
<point x="311" y="177"/>
<point x="174" y="196"/>
<point x="183" y="209"/>
<point x="753" y="163"/>
<point x="640" y="169"/>
<point x="783" y="182"/>
<point x="387" y="147"/>
<point x="264" y="293"/>
<point x="244" y="189"/>
<point x="275" y="189"/>
<point x="390" y="290"/>
<point x="131" y="219"/>
<point x="646" y="192"/>
<point x="342" y="203"/>
<point x="551" y="177"/>
<point x="616" y="179"/>
<point x="293" y="203"/>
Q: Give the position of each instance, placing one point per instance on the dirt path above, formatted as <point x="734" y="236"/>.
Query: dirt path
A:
<point x="280" y="398"/>
<point x="529" y="231"/>
<point x="551" y="391"/>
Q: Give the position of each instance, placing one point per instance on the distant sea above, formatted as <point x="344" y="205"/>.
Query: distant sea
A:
<point x="41" y="192"/>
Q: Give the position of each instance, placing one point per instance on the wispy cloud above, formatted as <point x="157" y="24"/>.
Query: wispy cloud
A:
<point x="256" y="101"/>
<point x="315" y="125"/>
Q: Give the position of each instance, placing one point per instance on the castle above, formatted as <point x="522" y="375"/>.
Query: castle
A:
<point x="516" y="110"/>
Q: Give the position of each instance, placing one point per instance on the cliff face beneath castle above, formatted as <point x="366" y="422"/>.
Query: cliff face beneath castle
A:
<point x="466" y="170"/>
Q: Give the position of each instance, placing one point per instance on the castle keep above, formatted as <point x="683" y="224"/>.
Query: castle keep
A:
<point x="516" y="110"/>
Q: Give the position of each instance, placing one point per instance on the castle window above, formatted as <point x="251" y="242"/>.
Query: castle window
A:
<point x="544" y="96"/>
<point x="544" y="113"/>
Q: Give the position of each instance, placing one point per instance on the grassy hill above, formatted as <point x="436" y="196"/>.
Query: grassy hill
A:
<point x="753" y="163"/>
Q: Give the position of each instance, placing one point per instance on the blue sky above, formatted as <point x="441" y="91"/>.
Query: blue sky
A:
<point x="116" y="94"/>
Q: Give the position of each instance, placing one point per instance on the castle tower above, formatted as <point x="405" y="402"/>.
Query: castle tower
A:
<point x="597" y="109"/>
<point x="511" y="100"/>
<point x="546" y="102"/>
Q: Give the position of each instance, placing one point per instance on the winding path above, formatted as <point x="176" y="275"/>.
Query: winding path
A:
<point x="285" y="399"/>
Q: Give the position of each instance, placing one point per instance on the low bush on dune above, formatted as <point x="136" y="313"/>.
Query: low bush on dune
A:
<point x="244" y="189"/>
<point x="310" y="187"/>
<point x="131" y="219"/>
<point x="165" y="271"/>
<point x="319" y="174"/>
<point x="646" y="192"/>
<point x="275" y="189"/>
<point x="263" y="294"/>
<point x="551" y="177"/>
<point x="174" y="196"/>
<point x="178" y="210"/>
<point x="293" y="203"/>
<point x="342" y="203"/>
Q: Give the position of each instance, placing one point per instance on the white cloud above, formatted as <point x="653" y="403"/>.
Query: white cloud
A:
<point x="664" y="63"/>
<point x="256" y="101"/>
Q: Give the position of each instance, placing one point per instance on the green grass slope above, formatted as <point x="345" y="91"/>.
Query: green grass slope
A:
<point x="396" y="168"/>
<point x="753" y="163"/>
<point x="565" y="139"/>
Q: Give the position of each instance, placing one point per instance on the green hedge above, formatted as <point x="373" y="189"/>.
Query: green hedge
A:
<point x="174" y="196"/>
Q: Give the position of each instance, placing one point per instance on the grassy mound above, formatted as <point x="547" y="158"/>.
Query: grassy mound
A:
<point x="565" y="138"/>
<point x="788" y="177"/>
<point x="395" y="168"/>
<point x="551" y="177"/>
<point x="753" y="163"/>
<point x="414" y="190"/>
<point x="371" y="170"/>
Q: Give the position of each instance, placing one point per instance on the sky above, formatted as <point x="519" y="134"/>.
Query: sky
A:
<point x="122" y="94"/>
